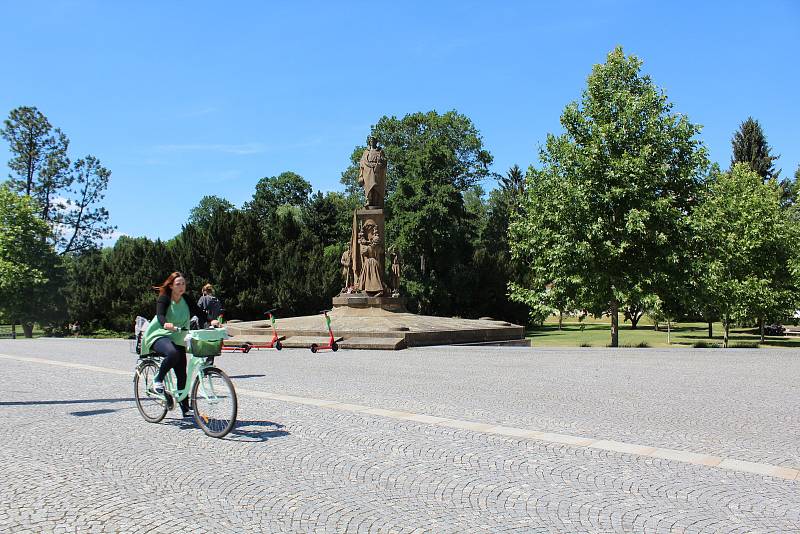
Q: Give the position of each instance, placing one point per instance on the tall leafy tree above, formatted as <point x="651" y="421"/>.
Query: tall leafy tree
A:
<point x="39" y="163"/>
<point x="36" y="147"/>
<point x="288" y="188"/>
<point x="433" y="160"/>
<point x="30" y="271"/>
<point x="202" y="214"/>
<point x="68" y="196"/>
<point x="604" y="218"/>
<point x="748" y="262"/>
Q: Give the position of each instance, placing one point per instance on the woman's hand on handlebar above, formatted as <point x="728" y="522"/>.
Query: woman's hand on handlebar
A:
<point x="214" y="323"/>
<point x="170" y="326"/>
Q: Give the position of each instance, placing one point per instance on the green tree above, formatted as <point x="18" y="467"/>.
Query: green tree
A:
<point x="85" y="221"/>
<point x="274" y="191"/>
<point x="329" y="217"/>
<point x="748" y="266"/>
<point x="30" y="271"/>
<point x="604" y="219"/>
<point x="433" y="160"/>
<point x="67" y="196"/>
<point x="38" y="153"/>
<point x="202" y="214"/>
<point x="750" y="146"/>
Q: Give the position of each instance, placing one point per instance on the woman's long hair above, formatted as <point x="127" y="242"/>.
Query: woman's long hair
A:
<point x="166" y="287"/>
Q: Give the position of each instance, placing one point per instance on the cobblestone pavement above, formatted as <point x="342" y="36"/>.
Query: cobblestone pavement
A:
<point x="77" y="457"/>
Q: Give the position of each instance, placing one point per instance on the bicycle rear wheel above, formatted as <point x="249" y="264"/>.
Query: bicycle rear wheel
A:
<point x="214" y="403"/>
<point x="152" y="406"/>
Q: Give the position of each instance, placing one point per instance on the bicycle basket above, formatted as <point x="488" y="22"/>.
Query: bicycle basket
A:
<point x="202" y="347"/>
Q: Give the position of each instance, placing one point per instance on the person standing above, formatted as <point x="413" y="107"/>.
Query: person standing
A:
<point x="209" y="303"/>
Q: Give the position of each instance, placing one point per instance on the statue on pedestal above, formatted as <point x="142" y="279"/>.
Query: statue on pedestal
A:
<point x="347" y="270"/>
<point x="372" y="174"/>
<point x="394" y="276"/>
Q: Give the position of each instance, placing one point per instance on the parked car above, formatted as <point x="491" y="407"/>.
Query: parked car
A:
<point x="774" y="330"/>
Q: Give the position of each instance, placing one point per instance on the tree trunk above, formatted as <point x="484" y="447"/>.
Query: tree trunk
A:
<point x="560" y="319"/>
<point x="761" y="327"/>
<point x="14" y="329"/>
<point x="669" y="328"/>
<point x="727" y="332"/>
<point x="635" y="320"/>
<point x="614" y="323"/>
<point x="710" y="329"/>
<point x="27" y="329"/>
<point x="655" y="325"/>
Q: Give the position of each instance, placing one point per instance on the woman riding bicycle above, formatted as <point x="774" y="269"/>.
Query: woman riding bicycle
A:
<point x="173" y="312"/>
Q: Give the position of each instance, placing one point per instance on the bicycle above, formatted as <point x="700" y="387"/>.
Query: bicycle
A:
<point x="213" y="397"/>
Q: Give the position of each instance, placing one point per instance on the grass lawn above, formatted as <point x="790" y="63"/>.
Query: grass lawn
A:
<point x="597" y="333"/>
<point x="5" y="331"/>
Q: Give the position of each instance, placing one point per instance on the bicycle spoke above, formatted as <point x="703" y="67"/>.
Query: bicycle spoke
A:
<point x="215" y="404"/>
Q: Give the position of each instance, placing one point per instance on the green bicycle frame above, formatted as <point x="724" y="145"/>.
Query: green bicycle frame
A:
<point x="197" y="364"/>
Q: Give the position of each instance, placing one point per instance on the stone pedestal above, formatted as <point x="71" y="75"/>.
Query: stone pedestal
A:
<point x="361" y="301"/>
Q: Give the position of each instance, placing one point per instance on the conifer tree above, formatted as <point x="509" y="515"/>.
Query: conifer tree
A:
<point x="750" y="146"/>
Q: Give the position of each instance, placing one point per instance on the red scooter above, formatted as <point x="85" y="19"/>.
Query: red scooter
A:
<point x="331" y="344"/>
<point x="274" y="343"/>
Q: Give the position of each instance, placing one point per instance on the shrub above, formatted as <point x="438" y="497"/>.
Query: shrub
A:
<point x="705" y="345"/>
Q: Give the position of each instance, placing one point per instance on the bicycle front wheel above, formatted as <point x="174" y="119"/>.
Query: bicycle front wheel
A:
<point x="214" y="403"/>
<point x="151" y="405"/>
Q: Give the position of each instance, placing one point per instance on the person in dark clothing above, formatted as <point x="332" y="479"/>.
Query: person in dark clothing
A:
<point x="173" y="311"/>
<point x="209" y="303"/>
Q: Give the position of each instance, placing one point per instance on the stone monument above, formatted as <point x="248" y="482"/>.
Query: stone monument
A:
<point x="364" y="261"/>
<point x="369" y="312"/>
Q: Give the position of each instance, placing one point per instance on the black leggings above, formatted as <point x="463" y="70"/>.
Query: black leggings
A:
<point x="175" y="358"/>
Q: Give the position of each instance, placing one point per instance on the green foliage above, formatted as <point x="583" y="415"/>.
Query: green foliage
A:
<point x="68" y="196"/>
<point x="202" y="214"/>
<point x="30" y="271"/>
<point x="274" y="191"/>
<point x="747" y="258"/>
<point x="433" y="161"/>
<point x="38" y="154"/>
<point x="84" y="220"/>
<point x="604" y="219"/>
<point x="750" y="146"/>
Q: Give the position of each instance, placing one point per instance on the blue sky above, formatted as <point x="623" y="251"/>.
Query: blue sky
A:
<point x="184" y="99"/>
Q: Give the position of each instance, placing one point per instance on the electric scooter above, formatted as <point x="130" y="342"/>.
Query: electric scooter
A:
<point x="275" y="342"/>
<point x="331" y="344"/>
<point x="247" y="346"/>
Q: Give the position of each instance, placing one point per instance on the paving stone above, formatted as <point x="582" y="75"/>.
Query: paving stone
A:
<point x="77" y="457"/>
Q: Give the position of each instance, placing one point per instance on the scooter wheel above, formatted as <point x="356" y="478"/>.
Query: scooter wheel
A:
<point x="278" y="345"/>
<point x="314" y="347"/>
<point x="246" y="348"/>
<point x="334" y="347"/>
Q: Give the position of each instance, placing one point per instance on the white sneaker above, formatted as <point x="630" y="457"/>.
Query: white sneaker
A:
<point x="158" y="387"/>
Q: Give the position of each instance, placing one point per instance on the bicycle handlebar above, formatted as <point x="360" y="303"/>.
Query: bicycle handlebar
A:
<point x="181" y="329"/>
